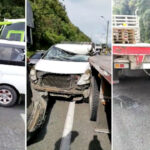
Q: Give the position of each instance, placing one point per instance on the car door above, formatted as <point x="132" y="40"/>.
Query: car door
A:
<point x="12" y="67"/>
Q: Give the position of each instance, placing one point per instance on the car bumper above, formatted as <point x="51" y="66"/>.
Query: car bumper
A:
<point x="63" y="92"/>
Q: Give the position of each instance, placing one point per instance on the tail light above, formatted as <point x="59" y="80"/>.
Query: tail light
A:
<point x="121" y="66"/>
<point x="28" y="60"/>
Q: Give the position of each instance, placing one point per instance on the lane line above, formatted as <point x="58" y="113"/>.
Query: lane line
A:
<point x="66" y="137"/>
<point x="23" y="116"/>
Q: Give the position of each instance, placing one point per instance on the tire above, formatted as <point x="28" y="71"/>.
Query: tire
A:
<point x="36" y="114"/>
<point x="29" y="115"/>
<point x="94" y="99"/>
<point x="8" y="96"/>
<point x="147" y="72"/>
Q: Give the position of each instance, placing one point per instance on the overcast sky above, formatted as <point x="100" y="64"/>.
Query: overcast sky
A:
<point x="86" y="14"/>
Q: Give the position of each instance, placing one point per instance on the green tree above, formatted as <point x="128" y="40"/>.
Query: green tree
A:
<point x="52" y="25"/>
<point x="146" y="24"/>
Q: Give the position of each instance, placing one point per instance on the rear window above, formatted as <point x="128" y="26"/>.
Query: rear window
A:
<point x="12" y="54"/>
<point x="17" y="31"/>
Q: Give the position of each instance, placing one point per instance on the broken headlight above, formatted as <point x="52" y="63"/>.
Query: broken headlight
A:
<point x="85" y="78"/>
<point x="33" y="74"/>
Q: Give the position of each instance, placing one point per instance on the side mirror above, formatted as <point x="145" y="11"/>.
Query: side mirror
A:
<point x="42" y="54"/>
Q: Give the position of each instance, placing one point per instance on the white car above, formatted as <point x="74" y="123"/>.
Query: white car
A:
<point x="12" y="71"/>
<point x="64" y="71"/>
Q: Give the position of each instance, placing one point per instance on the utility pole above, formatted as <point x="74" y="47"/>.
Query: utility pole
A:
<point x="107" y="35"/>
<point x="107" y="32"/>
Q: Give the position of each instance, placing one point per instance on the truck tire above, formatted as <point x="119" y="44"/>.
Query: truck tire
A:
<point x="8" y="96"/>
<point x="147" y="72"/>
<point x="94" y="99"/>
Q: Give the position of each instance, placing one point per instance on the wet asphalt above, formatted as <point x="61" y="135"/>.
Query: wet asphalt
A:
<point x="12" y="128"/>
<point x="131" y="112"/>
<point x="83" y="135"/>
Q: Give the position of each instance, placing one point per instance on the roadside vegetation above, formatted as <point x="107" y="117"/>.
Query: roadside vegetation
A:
<point x="142" y="7"/>
<point x="30" y="53"/>
<point x="52" y="25"/>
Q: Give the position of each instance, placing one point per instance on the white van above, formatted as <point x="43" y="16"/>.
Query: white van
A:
<point x="64" y="70"/>
<point x="12" y="71"/>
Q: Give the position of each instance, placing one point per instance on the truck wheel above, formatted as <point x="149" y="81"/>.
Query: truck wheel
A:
<point x="8" y="96"/>
<point x="147" y="72"/>
<point x="94" y="99"/>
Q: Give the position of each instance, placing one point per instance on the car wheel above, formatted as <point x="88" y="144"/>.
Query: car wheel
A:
<point x="94" y="99"/>
<point x="8" y="96"/>
<point x="29" y="116"/>
<point x="36" y="115"/>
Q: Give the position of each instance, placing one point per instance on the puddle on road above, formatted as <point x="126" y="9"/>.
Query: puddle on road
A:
<point x="125" y="102"/>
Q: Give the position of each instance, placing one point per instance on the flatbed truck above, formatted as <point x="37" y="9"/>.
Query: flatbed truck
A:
<point x="100" y="95"/>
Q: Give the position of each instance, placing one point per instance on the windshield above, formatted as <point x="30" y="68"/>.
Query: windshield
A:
<point x="59" y="54"/>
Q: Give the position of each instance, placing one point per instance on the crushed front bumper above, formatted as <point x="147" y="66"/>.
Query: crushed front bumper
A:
<point x="73" y="92"/>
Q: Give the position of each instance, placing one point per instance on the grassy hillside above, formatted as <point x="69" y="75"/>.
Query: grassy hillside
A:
<point x="52" y="25"/>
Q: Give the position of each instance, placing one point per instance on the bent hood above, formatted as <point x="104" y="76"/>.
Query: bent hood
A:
<point x="62" y="67"/>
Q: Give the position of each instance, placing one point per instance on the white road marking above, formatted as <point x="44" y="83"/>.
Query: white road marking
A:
<point x="23" y="117"/>
<point x="66" y="137"/>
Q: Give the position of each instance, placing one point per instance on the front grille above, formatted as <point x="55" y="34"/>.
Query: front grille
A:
<point x="59" y="81"/>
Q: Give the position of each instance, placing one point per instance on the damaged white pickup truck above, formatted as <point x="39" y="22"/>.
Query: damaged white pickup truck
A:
<point x="64" y="71"/>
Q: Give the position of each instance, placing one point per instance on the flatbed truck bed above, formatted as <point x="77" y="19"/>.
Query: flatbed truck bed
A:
<point x="100" y="95"/>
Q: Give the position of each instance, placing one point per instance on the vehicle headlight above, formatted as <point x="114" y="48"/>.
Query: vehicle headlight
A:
<point x="85" y="78"/>
<point x="33" y="74"/>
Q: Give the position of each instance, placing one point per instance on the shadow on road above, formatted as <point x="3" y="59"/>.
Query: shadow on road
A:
<point x="73" y="135"/>
<point x="41" y="132"/>
<point x="95" y="144"/>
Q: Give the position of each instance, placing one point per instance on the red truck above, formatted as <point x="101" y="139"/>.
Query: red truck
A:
<point x="128" y="52"/>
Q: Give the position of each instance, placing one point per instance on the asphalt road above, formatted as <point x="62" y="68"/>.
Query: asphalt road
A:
<point x="12" y="129"/>
<point x="131" y="113"/>
<point x="83" y="136"/>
